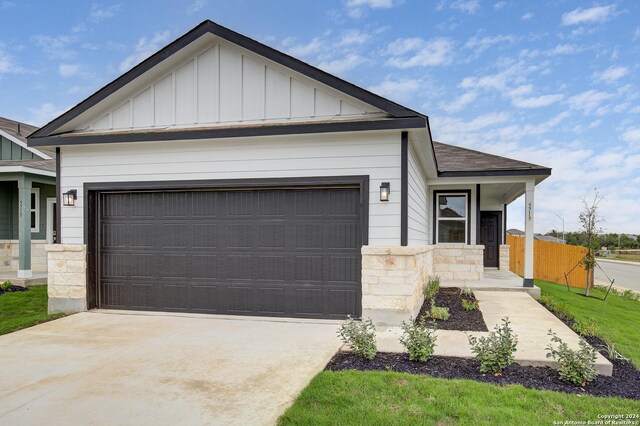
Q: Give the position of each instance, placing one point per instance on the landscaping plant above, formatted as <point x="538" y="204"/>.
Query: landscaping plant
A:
<point x="466" y="292"/>
<point x="585" y="328"/>
<point x="469" y="305"/>
<point x="431" y="288"/>
<point x="575" y="367"/>
<point x="438" y="312"/>
<point x="6" y="286"/>
<point x="419" y="340"/>
<point x="360" y="336"/>
<point x="495" y="351"/>
<point x="609" y="350"/>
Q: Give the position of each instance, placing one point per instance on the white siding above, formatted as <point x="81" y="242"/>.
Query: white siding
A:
<point x="376" y="154"/>
<point x="220" y="84"/>
<point x="417" y="233"/>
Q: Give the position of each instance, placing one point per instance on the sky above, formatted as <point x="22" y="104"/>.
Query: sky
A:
<point x="554" y="83"/>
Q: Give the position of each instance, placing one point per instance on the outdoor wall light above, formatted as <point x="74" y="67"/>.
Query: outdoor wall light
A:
<point x="69" y="198"/>
<point x="385" y="190"/>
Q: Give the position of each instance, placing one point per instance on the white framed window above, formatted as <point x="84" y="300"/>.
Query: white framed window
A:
<point x="452" y="217"/>
<point x="34" y="210"/>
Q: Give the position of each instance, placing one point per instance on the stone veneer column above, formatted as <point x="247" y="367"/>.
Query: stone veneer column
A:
<point x="67" y="278"/>
<point x="392" y="281"/>
<point x="504" y="257"/>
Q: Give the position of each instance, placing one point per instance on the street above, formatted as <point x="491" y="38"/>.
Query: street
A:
<point x="626" y="275"/>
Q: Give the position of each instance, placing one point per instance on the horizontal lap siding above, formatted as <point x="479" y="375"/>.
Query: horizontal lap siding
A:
<point x="417" y="211"/>
<point x="373" y="154"/>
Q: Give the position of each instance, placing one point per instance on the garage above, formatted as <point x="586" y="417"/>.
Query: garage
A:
<point x="271" y="251"/>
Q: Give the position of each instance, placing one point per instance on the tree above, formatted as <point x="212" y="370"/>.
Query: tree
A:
<point x="589" y="221"/>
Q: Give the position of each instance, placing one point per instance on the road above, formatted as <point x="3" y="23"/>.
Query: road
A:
<point x="626" y="275"/>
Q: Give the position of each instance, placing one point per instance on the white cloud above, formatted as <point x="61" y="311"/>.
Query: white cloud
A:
<point x="522" y="90"/>
<point x="313" y="47"/>
<point x="466" y="6"/>
<point x="7" y="63"/>
<point x="397" y="89"/>
<point x="480" y="44"/>
<point x="342" y="65"/>
<point x="196" y="6"/>
<point x="417" y="52"/>
<point x="499" y="5"/>
<point x="356" y="8"/>
<point x="55" y="47"/>
<point x="588" y="16"/>
<point x="562" y="49"/>
<point x="537" y="101"/>
<point x="44" y="113"/>
<point x="588" y="101"/>
<point x="68" y="70"/>
<point x="144" y="48"/>
<point x="98" y="13"/>
<point x="636" y="34"/>
<point x="353" y="37"/>
<point x="612" y="74"/>
<point x="460" y="102"/>
<point x="632" y="135"/>
<point x="527" y="16"/>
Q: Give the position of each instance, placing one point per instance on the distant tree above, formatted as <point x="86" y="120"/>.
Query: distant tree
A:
<point x="590" y="223"/>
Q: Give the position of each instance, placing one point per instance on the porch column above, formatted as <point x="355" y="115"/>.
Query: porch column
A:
<point x="24" y="227"/>
<point x="528" y="233"/>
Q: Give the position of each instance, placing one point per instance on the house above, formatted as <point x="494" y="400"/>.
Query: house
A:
<point x="540" y="237"/>
<point x="27" y="204"/>
<point x="223" y="176"/>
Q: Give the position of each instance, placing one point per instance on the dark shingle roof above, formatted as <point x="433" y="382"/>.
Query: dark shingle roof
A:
<point x="47" y="165"/>
<point x="457" y="161"/>
<point x="11" y="127"/>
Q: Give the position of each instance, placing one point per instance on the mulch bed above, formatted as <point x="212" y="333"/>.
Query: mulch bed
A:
<point x="13" y="289"/>
<point x="624" y="383"/>
<point x="459" y="319"/>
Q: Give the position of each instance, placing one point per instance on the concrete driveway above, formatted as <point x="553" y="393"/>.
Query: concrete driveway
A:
<point x="131" y="368"/>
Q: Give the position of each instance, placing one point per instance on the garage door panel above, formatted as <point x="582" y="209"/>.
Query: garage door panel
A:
<point x="269" y="252"/>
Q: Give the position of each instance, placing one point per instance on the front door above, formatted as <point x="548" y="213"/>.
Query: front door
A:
<point x="490" y="237"/>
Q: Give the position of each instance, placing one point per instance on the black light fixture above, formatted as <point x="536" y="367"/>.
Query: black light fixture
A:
<point x="385" y="190"/>
<point x="69" y="198"/>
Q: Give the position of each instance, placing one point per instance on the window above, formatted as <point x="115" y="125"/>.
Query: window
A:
<point x="34" y="210"/>
<point x="452" y="218"/>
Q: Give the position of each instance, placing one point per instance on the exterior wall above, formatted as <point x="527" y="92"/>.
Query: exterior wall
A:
<point x="418" y="233"/>
<point x="9" y="210"/>
<point x="67" y="277"/>
<point x="392" y="281"/>
<point x="9" y="255"/>
<point x="458" y="262"/>
<point x="504" y="257"/>
<point x="376" y="154"/>
<point x="12" y="151"/>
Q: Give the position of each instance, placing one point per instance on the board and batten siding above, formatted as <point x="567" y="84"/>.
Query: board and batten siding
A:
<point x="376" y="154"/>
<point x="222" y="83"/>
<point x="417" y="232"/>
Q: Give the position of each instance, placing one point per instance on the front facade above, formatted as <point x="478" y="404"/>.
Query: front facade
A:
<point x="222" y="176"/>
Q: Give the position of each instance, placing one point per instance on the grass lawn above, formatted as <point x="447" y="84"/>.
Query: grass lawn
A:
<point x="361" y="398"/>
<point x="618" y="318"/>
<point x="24" y="309"/>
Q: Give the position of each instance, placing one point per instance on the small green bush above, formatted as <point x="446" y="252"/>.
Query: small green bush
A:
<point x="548" y="302"/>
<point x="469" y="305"/>
<point x="5" y="286"/>
<point x="438" y="312"/>
<point x="585" y="328"/>
<point x="630" y="294"/>
<point x="360" y="336"/>
<point x="495" y="351"/>
<point x="466" y="292"/>
<point x="431" y="288"/>
<point x="575" y="367"/>
<point x="419" y="340"/>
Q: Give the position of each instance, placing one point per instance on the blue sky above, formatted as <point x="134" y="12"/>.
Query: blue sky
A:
<point x="550" y="82"/>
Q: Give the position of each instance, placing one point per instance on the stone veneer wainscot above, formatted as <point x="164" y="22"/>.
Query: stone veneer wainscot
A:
<point x="67" y="278"/>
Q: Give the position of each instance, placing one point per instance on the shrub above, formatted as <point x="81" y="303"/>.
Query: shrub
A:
<point x="548" y="302"/>
<point x="419" y="340"/>
<point x="360" y="336"/>
<point x="6" y="286"/>
<point x="469" y="305"/>
<point x="438" y="312"/>
<point x="564" y="310"/>
<point x="585" y="328"/>
<point x="575" y="367"/>
<point x="609" y="350"/>
<point x="630" y="294"/>
<point x="466" y="292"/>
<point x="431" y="288"/>
<point x="495" y="351"/>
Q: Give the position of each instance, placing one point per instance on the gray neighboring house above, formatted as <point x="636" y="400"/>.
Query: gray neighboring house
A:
<point x="222" y="176"/>
<point x="27" y="204"/>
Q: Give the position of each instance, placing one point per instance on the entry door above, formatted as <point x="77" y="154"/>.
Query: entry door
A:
<point x="490" y="237"/>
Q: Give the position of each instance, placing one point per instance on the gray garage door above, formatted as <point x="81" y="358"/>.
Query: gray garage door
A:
<point x="276" y="252"/>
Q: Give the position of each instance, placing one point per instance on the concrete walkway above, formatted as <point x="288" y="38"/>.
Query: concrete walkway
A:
<point x="115" y="369"/>
<point x="530" y="321"/>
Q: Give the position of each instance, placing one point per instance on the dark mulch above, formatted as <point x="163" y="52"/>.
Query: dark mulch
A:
<point x="13" y="289"/>
<point x="459" y="319"/>
<point x="624" y="383"/>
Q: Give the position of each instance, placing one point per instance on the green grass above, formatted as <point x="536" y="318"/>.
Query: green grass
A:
<point x="617" y="318"/>
<point x="24" y="309"/>
<point x="363" y="398"/>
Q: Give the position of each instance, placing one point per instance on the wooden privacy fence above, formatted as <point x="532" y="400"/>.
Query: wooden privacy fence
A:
<point x="550" y="261"/>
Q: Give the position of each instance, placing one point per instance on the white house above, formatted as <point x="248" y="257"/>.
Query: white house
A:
<point x="223" y="176"/>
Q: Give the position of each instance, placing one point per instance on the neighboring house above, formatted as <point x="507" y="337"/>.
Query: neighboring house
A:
<point x="541" y="237"/>
<point x="223" y="176"/>
<point x="27" y="202"/>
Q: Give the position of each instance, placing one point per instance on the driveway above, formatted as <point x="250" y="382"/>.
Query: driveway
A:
<point x="627" y="274"/>
<point x="135" y="368"/>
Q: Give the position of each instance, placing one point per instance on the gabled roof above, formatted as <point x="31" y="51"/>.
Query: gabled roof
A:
<point x="407" y="118"/>
<point x="455" y="161"/>
<point x="17" y="129"/>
